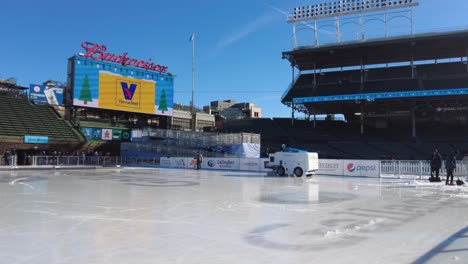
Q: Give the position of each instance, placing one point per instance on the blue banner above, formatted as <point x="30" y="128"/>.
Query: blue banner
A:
<point x="387" y="95"/>
<point x="41" y="94"/>
<point x="36" y="139"/>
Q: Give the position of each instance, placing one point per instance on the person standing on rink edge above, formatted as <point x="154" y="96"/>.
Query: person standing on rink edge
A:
<point x="436" y="163"/>
<point x="199" y="159"/>
<point x="6" y="158"/>
<point x="450" y="165"/>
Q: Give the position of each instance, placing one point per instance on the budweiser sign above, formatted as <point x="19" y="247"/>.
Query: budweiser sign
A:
<point x="98" y="52"/>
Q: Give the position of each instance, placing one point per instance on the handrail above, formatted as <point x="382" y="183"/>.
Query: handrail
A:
<point x="417" y="168"/>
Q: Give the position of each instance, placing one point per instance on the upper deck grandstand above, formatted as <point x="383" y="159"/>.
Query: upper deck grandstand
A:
<point x="410" y="90"/>
<point x="428" y="63"/>
<point x="402" y="85"/>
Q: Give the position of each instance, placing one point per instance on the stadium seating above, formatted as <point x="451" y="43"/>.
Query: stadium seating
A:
<point x="18" y="117"/>
<point x="446" y="83"/>
<point x="343" y="140"/>
<point x="429" y="71"/>
<point x="379" y="79"/>
<point x="391" y="85"/>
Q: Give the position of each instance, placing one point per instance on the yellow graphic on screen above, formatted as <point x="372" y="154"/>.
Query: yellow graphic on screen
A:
<point x="117" y="92"/>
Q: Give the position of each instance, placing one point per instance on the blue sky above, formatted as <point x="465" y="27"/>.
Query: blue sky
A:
<point x="238" y="43"/>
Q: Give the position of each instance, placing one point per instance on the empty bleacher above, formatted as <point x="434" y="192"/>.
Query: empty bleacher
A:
<point x="382" y="79"/>
<point x="441" y="70"/>
<point x="391" y="85"/>
<point x="342" y="140"/>
<point x="446" y="83"/>
<point x="18" y="117"/>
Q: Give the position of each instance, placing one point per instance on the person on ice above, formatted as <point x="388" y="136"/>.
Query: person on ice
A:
<point x="450" y="166"/>
<point x="199" y="159"/>
<point x="6" y="158"/>
<point x="436" y="162"/>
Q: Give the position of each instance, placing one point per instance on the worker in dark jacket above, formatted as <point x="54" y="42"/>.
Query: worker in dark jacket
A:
<point x="436" y="163"/>
<point x="6" y="158"/>
<point x="450" y="166"/>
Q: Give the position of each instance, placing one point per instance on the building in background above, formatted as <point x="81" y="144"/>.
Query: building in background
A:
<point x="229" y="109"/>
<point x="182" y="120"/>
<point x="9" y="85"/>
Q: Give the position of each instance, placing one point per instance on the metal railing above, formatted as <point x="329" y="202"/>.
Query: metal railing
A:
<point x="91" y="161"/>
<point x="11" y="161"/>
<point x="417" y="169"/>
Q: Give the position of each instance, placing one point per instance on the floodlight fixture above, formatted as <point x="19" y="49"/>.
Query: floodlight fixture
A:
<point x="346" y="7"/>
<point x="363" y="11"/>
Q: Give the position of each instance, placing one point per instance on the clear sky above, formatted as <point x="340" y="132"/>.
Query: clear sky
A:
<point x="238" y="43"/>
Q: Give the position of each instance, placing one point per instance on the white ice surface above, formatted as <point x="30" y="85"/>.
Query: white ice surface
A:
<point x="188" y="216"/>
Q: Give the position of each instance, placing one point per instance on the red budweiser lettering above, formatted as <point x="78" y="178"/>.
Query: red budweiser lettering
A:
<point x="98" y="52"/>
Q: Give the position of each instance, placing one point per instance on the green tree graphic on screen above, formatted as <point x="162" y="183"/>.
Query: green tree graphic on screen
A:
<point x="162" y="102"/>
<point x="85" y="94"/>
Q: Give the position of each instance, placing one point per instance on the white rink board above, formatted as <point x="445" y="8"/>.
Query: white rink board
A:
<point x="330" y="167"/>
<point x="250" y="164"/>
<point x="359" y="168"/>
<point x="165" y="162"/>
<point x="221" y="163"/>
<point x="177" y="162"/>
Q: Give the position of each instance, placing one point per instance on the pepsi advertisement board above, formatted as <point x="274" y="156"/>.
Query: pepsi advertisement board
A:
<point x="113" y="86"/>
<point x="41" y="94"/>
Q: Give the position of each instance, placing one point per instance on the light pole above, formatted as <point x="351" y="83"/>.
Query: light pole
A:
<point x="192" y="105"/>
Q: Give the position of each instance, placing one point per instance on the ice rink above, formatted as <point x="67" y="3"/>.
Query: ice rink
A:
<point x="135" y="215"/>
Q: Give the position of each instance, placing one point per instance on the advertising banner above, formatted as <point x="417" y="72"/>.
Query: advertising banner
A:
<point x="250" y="164"/>
<point x="117" y="92"/>
<point x="330" y="167"/>
<point x="116" y="134"/>
<point x="221" y="163"/>
<point x="362" y="168"/>
<point x="106" y="134"/>
<point x="165" y="162"/>
<point x="113" y="86"/>
<point x="36" y="139"/>
<point x="93" y="133"/>
<point x="263" y="163"/>
<point x="182" y="162"/>
<point x="136" y="135"/>
<point x="41" y="94"/>
<point x="125" y="135"/>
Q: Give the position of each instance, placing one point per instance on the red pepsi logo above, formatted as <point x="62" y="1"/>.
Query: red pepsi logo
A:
<point x="350" y="167"/>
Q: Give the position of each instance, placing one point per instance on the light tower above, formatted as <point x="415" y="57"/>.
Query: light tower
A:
<point x="337" y="14"/>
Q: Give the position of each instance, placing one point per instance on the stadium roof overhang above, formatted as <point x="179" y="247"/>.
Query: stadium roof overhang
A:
<point x="419" y="47"/>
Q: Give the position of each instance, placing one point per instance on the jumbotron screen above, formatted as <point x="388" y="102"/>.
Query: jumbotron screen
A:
<point x="108" y="85"/>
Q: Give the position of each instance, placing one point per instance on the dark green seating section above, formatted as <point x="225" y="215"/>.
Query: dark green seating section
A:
<point x="18" y="117"/>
